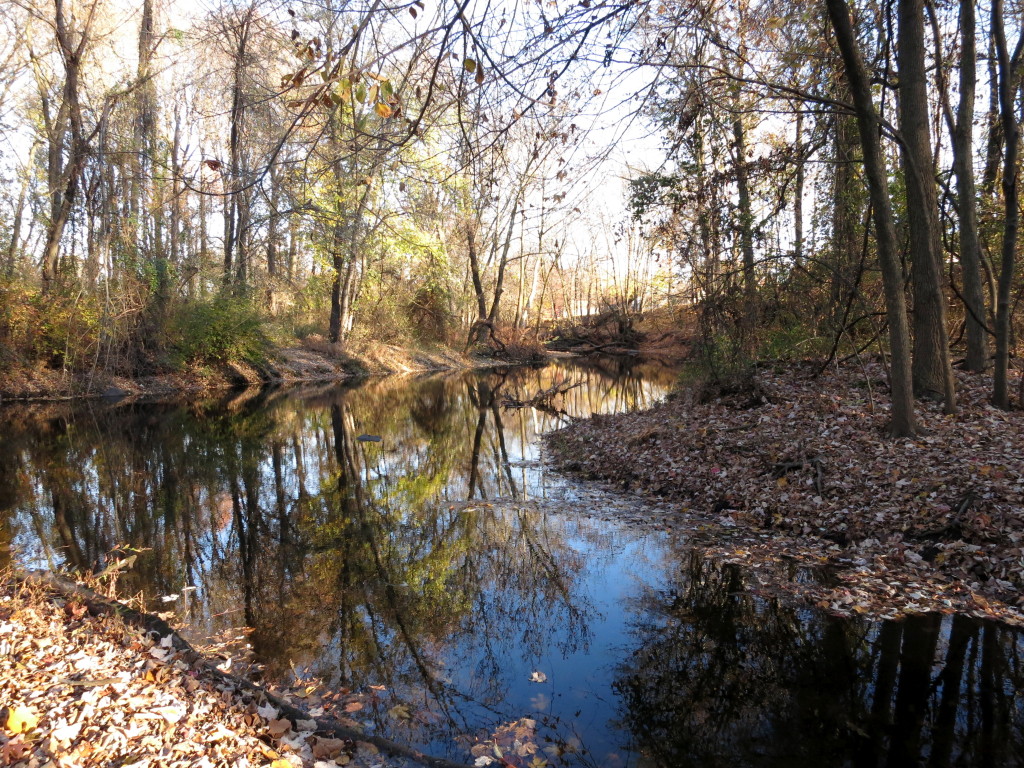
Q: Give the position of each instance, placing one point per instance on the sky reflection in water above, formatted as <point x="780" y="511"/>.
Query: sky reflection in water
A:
<point x="445" y="563"/>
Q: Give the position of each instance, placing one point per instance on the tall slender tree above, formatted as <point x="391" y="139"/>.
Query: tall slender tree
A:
<point x="903" y="422"/>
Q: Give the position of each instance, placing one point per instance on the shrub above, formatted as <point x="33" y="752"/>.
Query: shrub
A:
<point x="218" y="330"/>
<point x="61" y="329"/>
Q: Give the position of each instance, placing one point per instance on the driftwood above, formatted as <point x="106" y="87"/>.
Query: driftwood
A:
<point x="98" y="605"/>
<point x="541" y="399"/>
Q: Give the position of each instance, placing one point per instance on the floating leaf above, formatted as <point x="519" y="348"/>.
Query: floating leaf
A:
<point x="400" y="712"/>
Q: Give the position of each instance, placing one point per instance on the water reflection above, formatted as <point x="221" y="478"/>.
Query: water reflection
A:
<point x="718" y="677"/>
<point x="446" y="564"/>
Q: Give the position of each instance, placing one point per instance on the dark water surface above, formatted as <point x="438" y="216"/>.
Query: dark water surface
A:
<point x="445" y="563"/>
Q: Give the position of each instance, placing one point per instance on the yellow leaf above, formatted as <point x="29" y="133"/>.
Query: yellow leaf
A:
<point x="383" y="110"/>
<point x="782" y="482"/>
<point x="20" y="720"/>
<point x="399" y="712"/>
<point x="281" y="763"/>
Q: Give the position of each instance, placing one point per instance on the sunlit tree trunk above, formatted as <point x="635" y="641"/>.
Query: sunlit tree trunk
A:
<point x="903" y="421"/>
<point x="67" y="148"/>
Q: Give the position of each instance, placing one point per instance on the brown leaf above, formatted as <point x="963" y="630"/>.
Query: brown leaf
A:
<point x="328" y="748"/>
<point x="278" y="728"/>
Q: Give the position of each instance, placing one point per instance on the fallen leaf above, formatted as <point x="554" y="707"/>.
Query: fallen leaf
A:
<point x="20" y="720"/>
<point x="278" y="728"/>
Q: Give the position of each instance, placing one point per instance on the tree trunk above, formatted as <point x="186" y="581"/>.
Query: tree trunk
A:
<point x="499" y="279"/>
<point x="1011" y="218"/>
<point x="232" y="183"/>
<point x="798" y="193"/>
<point x="273" y="219"/>
<point x="963" y="166"/>
<point x="847" y="212"/>
<point x="64" y="171"/>
<point x="478" y="333"/>
<point x="994" y="137"/>
<point x="19" y="212"/>
<point x="746" y="216"/>
<point x="903" y="422"/>
<point x="932" y="370"/>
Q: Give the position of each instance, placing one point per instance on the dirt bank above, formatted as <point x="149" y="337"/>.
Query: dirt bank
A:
<point x="805" y="472"/>
<point x="309" y="361"/>
<point x="87" y="681"/>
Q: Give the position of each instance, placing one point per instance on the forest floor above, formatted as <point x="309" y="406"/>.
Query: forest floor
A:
<point x="803" y="473"/>
<point x="78" y="689"/>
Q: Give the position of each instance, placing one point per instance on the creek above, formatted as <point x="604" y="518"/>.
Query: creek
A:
<point x="446" y="565"/>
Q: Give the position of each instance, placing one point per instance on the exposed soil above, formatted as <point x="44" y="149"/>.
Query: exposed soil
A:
<point x="312" y="360"/>
<point x="802" y="470"/>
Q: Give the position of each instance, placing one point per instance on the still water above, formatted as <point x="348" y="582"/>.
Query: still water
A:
<point x="445" y="563"/>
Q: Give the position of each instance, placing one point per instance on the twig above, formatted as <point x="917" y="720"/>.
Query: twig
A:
<point x="102" y="606"/>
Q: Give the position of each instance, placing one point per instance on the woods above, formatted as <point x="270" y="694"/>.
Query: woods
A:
<point x="189" y="185"/>
<point x="816" y="204"/>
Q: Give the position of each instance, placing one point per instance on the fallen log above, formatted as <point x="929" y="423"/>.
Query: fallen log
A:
<point x="98" y="605"/>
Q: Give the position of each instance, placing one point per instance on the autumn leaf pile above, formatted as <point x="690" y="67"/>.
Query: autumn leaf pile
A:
<point x="805" y="469"/>
<point x="77" y="690"/>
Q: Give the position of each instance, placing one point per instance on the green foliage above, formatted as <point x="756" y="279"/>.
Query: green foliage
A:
<point x="62" y="329"/>
<point x="219" y="330"/>
<point x="789" y="341"/>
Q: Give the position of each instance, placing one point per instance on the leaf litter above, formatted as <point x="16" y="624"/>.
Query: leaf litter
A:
<point x="82" y="690"/>
<point x="805" y="488"/>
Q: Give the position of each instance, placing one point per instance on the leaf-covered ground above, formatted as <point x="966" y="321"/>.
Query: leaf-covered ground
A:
<point x="805" y="473"/>
<point x="78" y="690"/>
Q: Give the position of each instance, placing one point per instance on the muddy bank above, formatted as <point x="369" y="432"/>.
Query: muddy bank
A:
<point x="806" y="471"/>
<point x="311" y="361"/>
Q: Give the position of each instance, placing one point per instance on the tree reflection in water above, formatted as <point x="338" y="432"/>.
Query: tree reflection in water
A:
<point x="425" y="563"/>
<point x="361" y="562"/>
<point x="719" y="677"/>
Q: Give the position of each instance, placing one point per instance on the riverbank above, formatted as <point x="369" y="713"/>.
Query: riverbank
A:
<point x="805" y="474"/>
<point x="83" y="684"/>
<point x="312" y="360"/>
